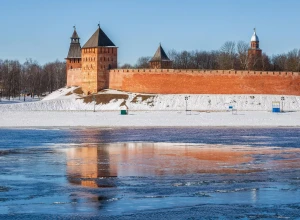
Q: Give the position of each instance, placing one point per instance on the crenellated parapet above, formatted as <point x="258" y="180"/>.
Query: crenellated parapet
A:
<point x="207" y="72"/>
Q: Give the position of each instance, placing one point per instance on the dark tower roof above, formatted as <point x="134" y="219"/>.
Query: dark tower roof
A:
<point x="99" y="39"/>
<point x="160" y="55"/>
<point x="74" y="51"/>
<point x="75" y="48"/>
<point x="75" y="35"/>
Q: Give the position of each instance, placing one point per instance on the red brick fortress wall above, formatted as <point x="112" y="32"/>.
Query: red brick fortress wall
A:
<point x="74" y="77"/>
<point x="171" y="81"/>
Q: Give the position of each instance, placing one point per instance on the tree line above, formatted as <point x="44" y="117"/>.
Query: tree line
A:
<point x="30" y="78"/>
<point x="231" y="56"/>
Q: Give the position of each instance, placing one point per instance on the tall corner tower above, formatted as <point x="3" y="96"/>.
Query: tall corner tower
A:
<point x="160" y="60"/>
<point x="73" y="59"/>
<point x="99" y="55"/>
<point x="254" y="53"/>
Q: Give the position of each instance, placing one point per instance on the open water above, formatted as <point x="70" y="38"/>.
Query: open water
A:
<point x="157" y="173"/>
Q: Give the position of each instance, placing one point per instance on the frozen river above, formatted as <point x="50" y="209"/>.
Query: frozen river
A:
<point x="151" y="173"/>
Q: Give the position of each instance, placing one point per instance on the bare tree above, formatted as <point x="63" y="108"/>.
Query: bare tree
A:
<point x="293" y="61"/>
<point x="242" y="54"/>
<point x="227" y="56"/>
<point x="54" y="75"/>
<point x="279" y="62"/>
<point x="266" y="63"/>
<point x="143" y="63"/>
<point x="31" y="78"/>
<point x="10" y="73"/>
<point x="126" y="66"/>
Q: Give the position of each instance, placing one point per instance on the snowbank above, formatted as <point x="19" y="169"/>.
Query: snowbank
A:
<point x="66" y="99"/>
<point x="68" y="107"/>
<point x="63" y="93"/>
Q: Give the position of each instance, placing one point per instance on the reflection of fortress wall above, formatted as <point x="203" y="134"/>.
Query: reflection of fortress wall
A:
<point x="90" y="163"/>
<point x="144" y="159"/>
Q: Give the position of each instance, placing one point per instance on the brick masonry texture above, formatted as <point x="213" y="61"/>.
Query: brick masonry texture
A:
<point x="74" y="77"/>
<point x="170" y="81"/>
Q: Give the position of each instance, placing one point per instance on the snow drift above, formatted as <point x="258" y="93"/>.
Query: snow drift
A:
<point x="68" y="99"/>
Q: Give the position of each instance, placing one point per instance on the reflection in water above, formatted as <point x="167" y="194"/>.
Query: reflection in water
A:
<point x="87" y="165"/>
<point x="96" y="165"/>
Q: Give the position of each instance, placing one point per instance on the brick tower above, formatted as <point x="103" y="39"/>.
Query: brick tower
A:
<point x="99" y="54"/>
<point x="254" y="53"/>
<point x="160" y="60"/>
<point x="73" y="59"/>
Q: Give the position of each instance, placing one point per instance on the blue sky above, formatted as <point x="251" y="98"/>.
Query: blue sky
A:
<point x="41" y="29"/>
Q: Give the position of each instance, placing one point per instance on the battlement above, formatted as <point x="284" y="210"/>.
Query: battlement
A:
<point x="206" y="72"/>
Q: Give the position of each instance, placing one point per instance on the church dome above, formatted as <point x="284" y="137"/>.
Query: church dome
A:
<point x="254" y="36"/>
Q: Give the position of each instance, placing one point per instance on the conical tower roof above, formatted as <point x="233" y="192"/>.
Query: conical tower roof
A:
<point x="74" y="35"/>
<point x="99" y="39"/>
<point x="160" y="55"/>
<point x="74" y="51"/>
<point x="75" y="48"/>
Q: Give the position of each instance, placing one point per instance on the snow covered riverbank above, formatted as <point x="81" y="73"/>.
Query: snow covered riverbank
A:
<point x="146" y="119"/>
<point x="67" y="107"/>
<point x="67" y="99"/>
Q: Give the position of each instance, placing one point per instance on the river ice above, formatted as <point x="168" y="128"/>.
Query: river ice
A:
<point x="150" y="173"/>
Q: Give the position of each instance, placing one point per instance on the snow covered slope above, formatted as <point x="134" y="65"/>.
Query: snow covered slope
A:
<point x="66" y="99"/>
<point x="64" y="93"/>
